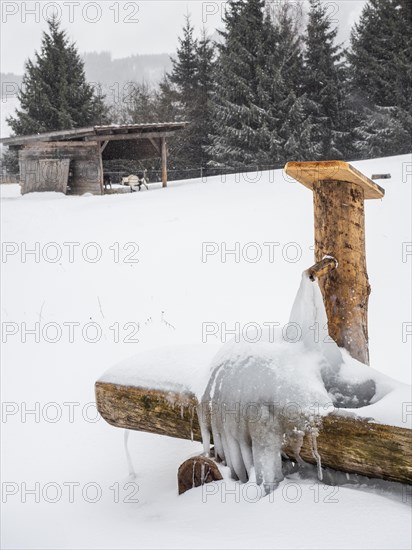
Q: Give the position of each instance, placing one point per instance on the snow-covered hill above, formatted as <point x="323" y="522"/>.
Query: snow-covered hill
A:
<point x="90" y="305"/>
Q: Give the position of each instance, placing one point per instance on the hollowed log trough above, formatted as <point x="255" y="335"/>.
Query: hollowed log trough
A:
<point x="353" y="445"/>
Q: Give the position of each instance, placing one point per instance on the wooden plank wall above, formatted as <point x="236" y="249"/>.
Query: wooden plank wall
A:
<point x="85" y="165"/>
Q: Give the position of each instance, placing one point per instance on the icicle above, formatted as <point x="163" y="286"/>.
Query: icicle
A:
<point x="132" y="473"/>
<point x="204" y="429"/>
<point x="193" y="473"/>
<point x="295" y="441"/>
<point x="191" y="423"/>
<point x="314" y="432"/>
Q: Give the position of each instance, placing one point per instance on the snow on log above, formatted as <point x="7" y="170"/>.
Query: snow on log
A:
<point x="349" y="444"/>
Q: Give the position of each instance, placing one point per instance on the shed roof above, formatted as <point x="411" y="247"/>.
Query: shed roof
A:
<point x="102" y="133"/>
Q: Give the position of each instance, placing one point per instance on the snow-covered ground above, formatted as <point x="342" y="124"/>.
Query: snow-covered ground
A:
<point x="91" y="305"/>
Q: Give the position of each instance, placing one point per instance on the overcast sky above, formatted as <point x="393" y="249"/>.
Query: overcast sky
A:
<point x="124" y="27"/>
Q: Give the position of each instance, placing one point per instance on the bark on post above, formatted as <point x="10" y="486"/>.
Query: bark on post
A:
<point x="339" y="192"/>
<point x="340" y="232"/>
<point x="164" y="162"/>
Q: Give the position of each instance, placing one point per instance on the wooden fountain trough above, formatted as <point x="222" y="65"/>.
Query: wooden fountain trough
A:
<point x="355" y="445"/>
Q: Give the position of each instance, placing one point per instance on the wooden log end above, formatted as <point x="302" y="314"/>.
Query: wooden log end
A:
<point x="197" y="471"/>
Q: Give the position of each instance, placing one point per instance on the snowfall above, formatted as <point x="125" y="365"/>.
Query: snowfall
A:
<point x="159" y="282"/>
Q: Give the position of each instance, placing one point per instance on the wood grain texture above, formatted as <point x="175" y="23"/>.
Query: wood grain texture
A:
<point x="42" y="175"/>
<point x="321" y="268"/>
<point x="85" y="163"/>
<point x="164" y="162"/>
<point x="113" y="131"/>
<point x="197" y="471"/>
<point x="160" y="412"/>
<point x="352" y="445"/>
<point x="310" y="173"/>
<point x="340" y="233"/>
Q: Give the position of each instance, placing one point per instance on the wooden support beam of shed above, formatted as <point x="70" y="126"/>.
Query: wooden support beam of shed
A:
<point x="104" y="145"/>
<point x="353" y="445"/>
<point x="155" y="145"/>
<point x="164" y="162"/>
<point x="130" y="136"/>
<point x="101" y="171"/>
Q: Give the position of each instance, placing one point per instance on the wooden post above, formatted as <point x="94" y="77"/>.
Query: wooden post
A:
<point x="164" y="162"/>
<point x="339" y="191"/>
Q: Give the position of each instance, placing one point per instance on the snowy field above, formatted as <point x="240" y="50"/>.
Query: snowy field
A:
<point x="90" y="304"/>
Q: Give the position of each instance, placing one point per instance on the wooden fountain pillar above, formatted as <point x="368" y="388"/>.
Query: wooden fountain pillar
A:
<point x="339" y="192"/>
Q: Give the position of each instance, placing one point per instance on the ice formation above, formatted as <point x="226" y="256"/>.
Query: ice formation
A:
<point x="263" y="397"/>
<point x="132" y="473"/>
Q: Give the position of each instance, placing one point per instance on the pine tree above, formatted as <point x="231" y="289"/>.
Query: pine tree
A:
<point x="383" y="131"/>
<point x="297" y="130"/>
<point x="201" y="111"/>
<point x="185" y="96"/>
<point x="239" y="135"/>
<point x="290" y="104"/>
<point x="184" y="74"/>
<point x="54" y="93"/>
<point x="381" y="77"/>
<point x="182" y="89"/>
<point x="269" y="91"/>
<point x="165" y="101"/>
<point x="139" y="104"/>
<point x="324" y="81"/>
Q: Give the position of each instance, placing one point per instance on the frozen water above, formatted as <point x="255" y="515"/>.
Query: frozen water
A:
<point x="265" y="396"/>
<point x="132" y="473"/>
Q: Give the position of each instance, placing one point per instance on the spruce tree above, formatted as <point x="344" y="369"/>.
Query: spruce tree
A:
<point x="185" y="96"/>
<point x="269" y="92"/>
<point x="239" y="135"/>
<point x="290" y="105"/>
<point x="184" y="74"/>
<point x="201" y="113"/>
<point x="182" y="91"/>
<point x="324" y="81"/>
<point x="54" y="93"/>
<point x="297" y="129"/>
<point x="165" y="101"/>
<point x="383" y="131"/>
<point x="139" y="104"/>
<point x="381" y="77"/>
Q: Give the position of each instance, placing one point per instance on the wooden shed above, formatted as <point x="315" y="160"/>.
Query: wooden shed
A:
<point x="73" y="159"/>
